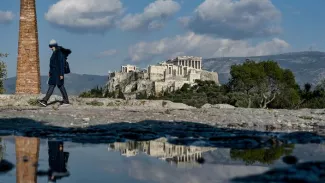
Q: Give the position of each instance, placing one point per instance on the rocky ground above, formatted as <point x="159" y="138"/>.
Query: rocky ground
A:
<point x="87" y="112"/>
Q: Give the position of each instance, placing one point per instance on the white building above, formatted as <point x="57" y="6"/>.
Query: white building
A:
<point x="128" y="68"/>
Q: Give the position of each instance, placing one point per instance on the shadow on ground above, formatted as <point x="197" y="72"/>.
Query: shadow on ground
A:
<point x="181" y="133"/>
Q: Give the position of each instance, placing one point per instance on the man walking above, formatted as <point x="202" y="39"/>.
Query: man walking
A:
<point x="56" y="74"/>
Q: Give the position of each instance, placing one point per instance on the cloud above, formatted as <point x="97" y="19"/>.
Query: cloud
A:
<point x="235" y="19"/>
<point x="153" y="16"/>
<point x="6" y="17"/>
<point x="82" y="16"/>
<point x="202" y="45"/>
<point x="107" y="53"/>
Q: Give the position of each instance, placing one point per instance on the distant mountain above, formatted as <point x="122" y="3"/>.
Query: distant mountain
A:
<point x="75" y="83"/>
<point x="308" y="66"/>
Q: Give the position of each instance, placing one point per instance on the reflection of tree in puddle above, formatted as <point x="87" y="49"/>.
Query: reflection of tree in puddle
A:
<point x="161" y="149"/>
<point x="263" y="155"/>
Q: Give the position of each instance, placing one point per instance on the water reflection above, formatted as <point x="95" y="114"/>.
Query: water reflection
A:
<point x="2" y="149"/>
<point x="186" y="155"/>
<point x="27" y="153"/>
<point x="220" y="164"/>
<point x="58" y="160"/>
<point x="160" y="148"/>
<point x="5" y="166"/>
<point x="264" y="155"/>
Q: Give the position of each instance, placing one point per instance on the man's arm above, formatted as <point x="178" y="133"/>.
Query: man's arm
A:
<point x="61" y="63"/>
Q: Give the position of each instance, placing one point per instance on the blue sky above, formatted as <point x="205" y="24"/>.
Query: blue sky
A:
<point x="104" y="34"/>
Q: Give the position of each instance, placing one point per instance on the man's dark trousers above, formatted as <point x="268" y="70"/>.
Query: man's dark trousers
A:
<point x="62" y="90"/>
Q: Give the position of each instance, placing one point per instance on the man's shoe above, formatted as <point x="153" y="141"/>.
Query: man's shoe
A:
<point x="64" y="103"/>
<point x="42" y="102"/>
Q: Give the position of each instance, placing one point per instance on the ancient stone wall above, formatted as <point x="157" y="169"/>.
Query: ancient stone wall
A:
<point x="210" y="76"/>
<point x="156" y="72"/>
<point x="28" y="69"/>
<point x="193" y="75"/>
<point x="179" y="84"/>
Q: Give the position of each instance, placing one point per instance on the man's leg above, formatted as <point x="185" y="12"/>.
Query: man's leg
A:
<point x="64" y="94"/>
<point x="47" y="96"/>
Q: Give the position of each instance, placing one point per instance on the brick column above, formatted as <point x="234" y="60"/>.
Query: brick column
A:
<point x="26" y="149"/>
<point x="28" y="69"/>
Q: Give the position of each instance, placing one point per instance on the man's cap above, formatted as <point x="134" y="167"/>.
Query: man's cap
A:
<point x="53" y="42"/>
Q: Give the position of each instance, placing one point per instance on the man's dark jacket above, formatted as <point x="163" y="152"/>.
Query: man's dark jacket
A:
<point x="57" y="62"/>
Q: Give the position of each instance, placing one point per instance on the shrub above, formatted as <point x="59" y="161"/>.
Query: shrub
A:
<point x="33" y="102"/>
<point x="95" y="103"/>
<point x="93" y="93"/>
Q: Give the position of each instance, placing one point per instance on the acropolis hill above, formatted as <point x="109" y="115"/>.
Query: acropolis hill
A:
<point x="168" y="75"/>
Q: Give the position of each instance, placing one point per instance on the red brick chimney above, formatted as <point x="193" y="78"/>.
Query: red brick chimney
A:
<point x="28" y="69"/>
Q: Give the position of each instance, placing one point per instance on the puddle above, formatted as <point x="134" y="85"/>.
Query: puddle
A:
<point x="156" y="161"/>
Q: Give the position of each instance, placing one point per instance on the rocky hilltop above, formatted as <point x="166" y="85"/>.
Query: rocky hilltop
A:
<point x="156" y="79"/>
<point x="308" y="66"/>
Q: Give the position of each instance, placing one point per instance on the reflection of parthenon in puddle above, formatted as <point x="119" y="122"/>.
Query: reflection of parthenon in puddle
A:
<point x="161" y="149"/>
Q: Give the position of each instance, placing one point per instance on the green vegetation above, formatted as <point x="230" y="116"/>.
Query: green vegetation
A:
<point x="95" y="103"/>
<point x="97" y="92"/>
<point x="252" y="84"/>
<point x="313" y="98"/>
<point x="33" y="102"/>
<point x="265" y="156"/>
<point x="3" y="73"/>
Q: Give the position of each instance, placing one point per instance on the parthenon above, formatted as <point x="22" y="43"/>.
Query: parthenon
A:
<point x="190" y="61"/>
